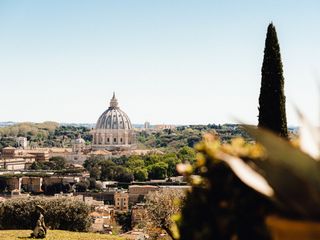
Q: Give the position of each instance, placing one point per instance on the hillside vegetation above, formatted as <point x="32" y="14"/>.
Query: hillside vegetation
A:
<point x="46" y="134"/>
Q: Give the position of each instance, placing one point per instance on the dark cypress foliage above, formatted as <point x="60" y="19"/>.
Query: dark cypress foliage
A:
<point x="272" y="109"/>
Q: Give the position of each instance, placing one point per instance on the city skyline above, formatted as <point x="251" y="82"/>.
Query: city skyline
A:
<point x="182" y="62"/>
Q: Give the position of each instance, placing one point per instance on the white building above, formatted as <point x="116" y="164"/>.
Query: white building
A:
<point x="22" y="142"/>
<point x="146" y="125"/>
<point x="78" y="145"/>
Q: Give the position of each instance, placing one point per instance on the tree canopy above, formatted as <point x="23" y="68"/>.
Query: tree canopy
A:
<point x="272" y="109"/>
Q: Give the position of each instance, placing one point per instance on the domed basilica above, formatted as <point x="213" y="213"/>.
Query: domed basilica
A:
<point x="113" y="131"/>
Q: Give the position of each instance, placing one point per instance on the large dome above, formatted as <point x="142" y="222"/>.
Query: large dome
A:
<point x="113" y="129"/>
<point x="113" y="118"/>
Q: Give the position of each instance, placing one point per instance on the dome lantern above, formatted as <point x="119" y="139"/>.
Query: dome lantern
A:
<point x="113" y="101"/>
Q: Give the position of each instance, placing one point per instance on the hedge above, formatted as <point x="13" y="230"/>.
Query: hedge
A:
<point x="64" y="214"/>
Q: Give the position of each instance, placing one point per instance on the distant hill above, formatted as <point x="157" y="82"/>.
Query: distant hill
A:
<point x="87" y="125"/>
<point x="5" y="124"/>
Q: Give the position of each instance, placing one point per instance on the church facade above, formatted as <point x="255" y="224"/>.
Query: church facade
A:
<point x="113" y="130"/>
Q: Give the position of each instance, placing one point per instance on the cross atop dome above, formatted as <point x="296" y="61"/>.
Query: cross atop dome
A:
<point x="114" y="101"/>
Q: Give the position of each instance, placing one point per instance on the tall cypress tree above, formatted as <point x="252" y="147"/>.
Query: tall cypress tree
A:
<point x="272" y="109"/>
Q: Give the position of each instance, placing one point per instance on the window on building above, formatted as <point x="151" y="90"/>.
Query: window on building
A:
<point x="120" y="139"/>
<point x="108" y="139"/>
<point x="114" y="139"/>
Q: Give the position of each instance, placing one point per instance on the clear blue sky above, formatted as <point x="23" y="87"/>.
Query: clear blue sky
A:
<point x="178" y="62"/>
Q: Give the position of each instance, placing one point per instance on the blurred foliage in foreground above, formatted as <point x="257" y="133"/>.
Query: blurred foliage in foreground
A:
<point x="236" y="186"/>
<point x="220" y="205"/>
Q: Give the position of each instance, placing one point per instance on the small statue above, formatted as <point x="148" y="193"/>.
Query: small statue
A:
<point x="40" y="230"/>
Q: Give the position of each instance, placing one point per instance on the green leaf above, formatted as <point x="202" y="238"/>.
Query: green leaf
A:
<point x="282" y="153"/>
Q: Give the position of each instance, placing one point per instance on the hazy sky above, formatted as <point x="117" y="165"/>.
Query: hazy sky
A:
<point x="168" y="61"/>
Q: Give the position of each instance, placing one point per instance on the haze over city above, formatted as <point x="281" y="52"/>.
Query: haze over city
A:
<point x="174" y="62"/>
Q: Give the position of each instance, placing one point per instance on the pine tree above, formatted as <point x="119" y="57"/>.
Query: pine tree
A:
<point x="272" y="109"/>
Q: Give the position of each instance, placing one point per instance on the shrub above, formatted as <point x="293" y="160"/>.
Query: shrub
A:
<point x="54" y="188"/>
<point x="3" y="185"/>
<point x="64" y="214"/>
<point x="124" y="220"/>
<point x="82" y="186"/>
<point x="162" y="205"/>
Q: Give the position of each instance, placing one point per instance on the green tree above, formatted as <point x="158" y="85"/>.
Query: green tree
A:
<point x="124" y="220"/>
<point x="187" y="154"/>
<point x="92" y="183"/>
<point x="36" y="166"/>
<point x="140" y="174"/>
<point x="42" y="166"/>
<point x="56" y="188"/>
<point x="82" y="186"/>
<point x="92" y="161"/>
<point x="54" y="163"/>
<point x="135" y="162"/>
<point x="107" y="170"/>
<point x="151" y="159"/>
<point x="121" y="174"/>
<point x="7" y="142"/>
<point x="172" y="163"/>
<point x="3" y="185"/>
<point x="95" y="172"/>
<point x="59" y="162"/>
<point x="272" y="110"/>
<point x="158" y="170"/>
